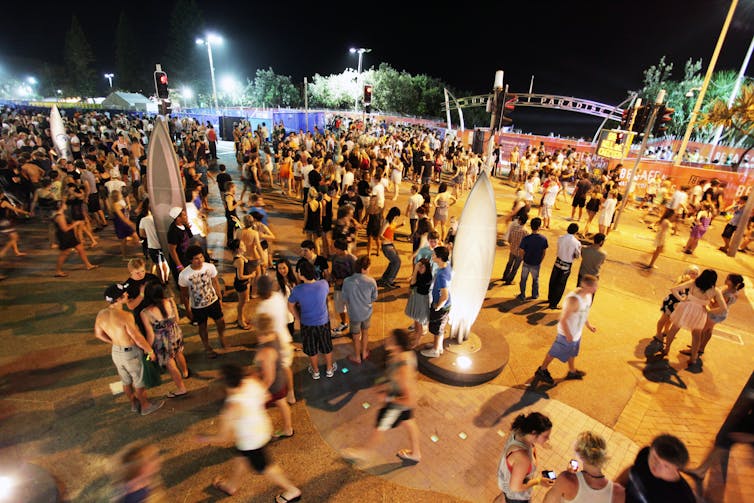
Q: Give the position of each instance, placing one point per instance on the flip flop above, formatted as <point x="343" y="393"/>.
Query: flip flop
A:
<point x="61" y="275"/>
<point x="282" y="499"/>
<point x="176" y="395"/>
<point x="278" y="435"/>
<point x="403" y="455"/>
<point x="92" y="267"/>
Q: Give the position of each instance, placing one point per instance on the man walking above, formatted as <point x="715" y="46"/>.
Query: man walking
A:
<point x="573" y="319"/>
<point x="359" y="293"/>
<point x="117" y="328"/>
<point x="516" y="233"/>
<point x="534" y="246"/>
<point x="569" y="249"/>
<point x="202" y="297"/>
<point x="440" y="306"/>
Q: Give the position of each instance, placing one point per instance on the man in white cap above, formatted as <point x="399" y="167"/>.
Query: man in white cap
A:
<point x="179" y="239"/>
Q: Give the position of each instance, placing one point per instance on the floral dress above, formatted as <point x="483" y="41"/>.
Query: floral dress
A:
<point x="168" y="338"/>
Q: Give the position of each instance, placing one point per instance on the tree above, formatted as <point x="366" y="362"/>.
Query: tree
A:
<point x="127" y="65"/>
<point x="738" y="118"/>
<point x="182" y="56"/>
<point x="271" y="90"/>
<point x="79" y="60"/>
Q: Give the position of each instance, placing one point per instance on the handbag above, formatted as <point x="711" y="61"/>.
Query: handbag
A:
<point x="151" y="373"/>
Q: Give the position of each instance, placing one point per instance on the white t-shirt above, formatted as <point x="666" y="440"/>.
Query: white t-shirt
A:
<point x="199" y="283"/>
<point x="414" y="202"/>
<point x="550" y="194"/>
<point x="578" y="319"/>
<point x="253" y="427"/>
<point x="276" y="307"/>
<point x="347" y="179"/>
<point x="115" y="184"/>
<point x="305" y="170"/>
<point x="147" y="225"/>
<point x="379" y="191"/>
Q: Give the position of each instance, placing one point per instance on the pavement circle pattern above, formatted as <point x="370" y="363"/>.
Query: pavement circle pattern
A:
<point x="463" y="432"/>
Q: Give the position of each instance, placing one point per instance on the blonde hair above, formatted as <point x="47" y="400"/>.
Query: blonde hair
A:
<point x="591" y="448"/>
<point x="691" y="272"/>
<point x="132" y="459"/>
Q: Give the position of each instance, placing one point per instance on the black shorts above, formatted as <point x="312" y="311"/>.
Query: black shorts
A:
<point x="391" y="416"/>
<point x="729" y="230"/>
<point x="578" y="201"/>
<point x="92" y="203"/>
<point x="257" y="458"/>
<point x="214" y="311"/>
<point x="155" y="255"/>
<point x="316" y="339"/>
<point x="437" y="320"/>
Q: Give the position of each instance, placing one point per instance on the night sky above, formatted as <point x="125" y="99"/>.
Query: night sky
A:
<point x="592" y="50"/>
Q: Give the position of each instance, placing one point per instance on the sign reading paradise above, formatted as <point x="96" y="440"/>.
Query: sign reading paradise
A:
<point x="608" y="146"/>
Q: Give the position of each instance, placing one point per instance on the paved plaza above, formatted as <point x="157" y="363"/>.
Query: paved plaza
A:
<point x="57" y="409"/>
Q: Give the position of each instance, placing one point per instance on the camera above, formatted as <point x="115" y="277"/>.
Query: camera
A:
<point x="574" y="464"/>
<point x="549" y="474"/>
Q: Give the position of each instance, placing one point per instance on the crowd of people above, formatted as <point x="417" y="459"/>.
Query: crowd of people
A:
<point x="342" y="179"/>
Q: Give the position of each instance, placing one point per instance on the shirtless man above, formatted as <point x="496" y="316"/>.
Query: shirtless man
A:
<point x="117" y="327"/>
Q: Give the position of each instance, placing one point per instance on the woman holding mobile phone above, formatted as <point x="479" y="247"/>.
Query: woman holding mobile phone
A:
<point x="590" y="484"/>
<point x="517" y="473"/>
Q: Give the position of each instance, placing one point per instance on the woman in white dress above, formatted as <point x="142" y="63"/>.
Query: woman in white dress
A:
<point x="607" y="210"/>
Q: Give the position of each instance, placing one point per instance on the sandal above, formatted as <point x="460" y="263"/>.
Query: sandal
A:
<point x="282" y="499"/>
<point x="61" y="275"/>
<point x="176" y="395"/>
<point x="210" y="353"/>
<point x="405" y="455"/>
<point x="219" y="484"/>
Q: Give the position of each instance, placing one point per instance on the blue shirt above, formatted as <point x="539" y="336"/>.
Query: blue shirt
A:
<point x="441" y="280"/>
<point x="312" y="299"/>
<point x="534" y="246"/>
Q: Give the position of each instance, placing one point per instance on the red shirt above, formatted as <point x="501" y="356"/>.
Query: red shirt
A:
<point x="211" y="135"/>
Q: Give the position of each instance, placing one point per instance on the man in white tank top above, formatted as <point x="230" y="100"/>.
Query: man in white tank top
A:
<point x="573" y="319"/>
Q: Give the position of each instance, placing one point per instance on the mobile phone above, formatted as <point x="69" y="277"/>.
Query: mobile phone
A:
<point x="574" y="464"/>
<point x="549" y="474"/>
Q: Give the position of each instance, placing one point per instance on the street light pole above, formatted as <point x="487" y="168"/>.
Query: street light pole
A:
<point x="208" y="42"/>
<point x="707" y="78"/>
<point x="360" y="51"/>
<point x="109" y="77"/>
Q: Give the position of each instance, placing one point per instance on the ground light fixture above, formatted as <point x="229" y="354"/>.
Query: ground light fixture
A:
<point x="463" y="362"/>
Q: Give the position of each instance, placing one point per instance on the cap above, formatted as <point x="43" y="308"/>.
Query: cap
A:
<point x="41" y="151"/>
<point x="114" y="292"/>
<point x="175" y="211"/>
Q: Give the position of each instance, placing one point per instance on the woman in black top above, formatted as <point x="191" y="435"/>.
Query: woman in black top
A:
<point x="417" y="307"/>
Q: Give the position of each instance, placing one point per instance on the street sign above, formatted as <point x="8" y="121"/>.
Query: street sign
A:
<point x="615" y="144"/>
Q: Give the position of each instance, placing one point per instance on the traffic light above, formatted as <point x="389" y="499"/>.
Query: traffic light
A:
<point x="619" y="138"/>
<point x="367" y="95"/>
<point x="642" y="116"/>
<point x="161" y="84"/>
<point x="165" y="107"/>
<point x="625" y="119"/>
<point x="664" y="116"/>
<point x="505" y="108"/>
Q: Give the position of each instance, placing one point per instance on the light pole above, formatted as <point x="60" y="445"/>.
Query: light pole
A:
<point x="208" y="41"/>
<point x="109" y="77"/>
<point x="360" y="51"/>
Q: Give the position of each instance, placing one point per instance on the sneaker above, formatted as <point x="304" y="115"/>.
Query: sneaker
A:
<point x="544" y="375"/>
<point x="341" y="327"/>
<point x="330" y="372"/>
<point x="521" y="298"/>
<point x="136" y="407"/>
<point x="575" y="375"/>
<point x="314" y="373"/>
<point x="695" y="367"/>
<point x="430" y="353"/>
<point x="152" y="408"/>
<point x="411" y="328"/>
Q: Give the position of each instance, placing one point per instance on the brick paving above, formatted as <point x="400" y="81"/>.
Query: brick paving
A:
<point x="58" y="412"/>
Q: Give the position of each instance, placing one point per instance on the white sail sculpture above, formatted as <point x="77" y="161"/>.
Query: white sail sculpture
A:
<point x="163" y="180"/>
<point x="473" y="257"/>
<point x="59" y="137"/>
